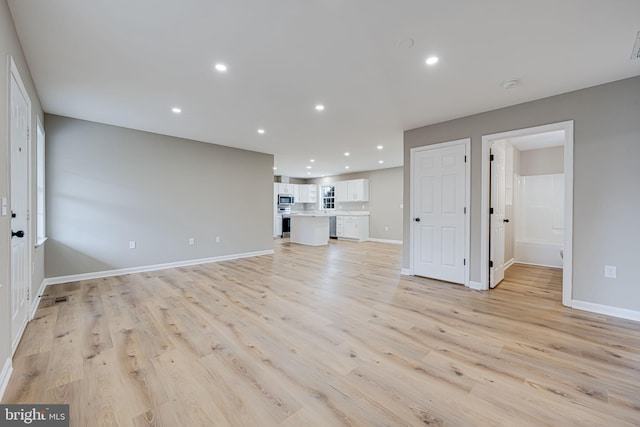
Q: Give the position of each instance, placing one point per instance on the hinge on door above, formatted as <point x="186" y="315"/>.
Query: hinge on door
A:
<point x="490" y="211"/>
<point x="490" y="264"/>
<point x="28" y="294"/>
<point x="491" y="157"/>
<point x="465" y="210"/>
<point x="464" y="261"/>
<point x="465" y="159"/>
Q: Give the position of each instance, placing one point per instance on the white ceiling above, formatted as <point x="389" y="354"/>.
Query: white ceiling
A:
<point x="128" y="62"/>
<point x="538" y="140"/>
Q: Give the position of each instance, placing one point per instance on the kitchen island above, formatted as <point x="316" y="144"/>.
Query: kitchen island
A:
<point x="310" y="229"/>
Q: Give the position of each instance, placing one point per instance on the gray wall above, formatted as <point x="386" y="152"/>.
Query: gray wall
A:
<point x="606" y="202"/>
<point x="108" y="185"/>
<point x="542" y="161"/>
<point x="9" y="45"/>
<point x="385" y="200"/>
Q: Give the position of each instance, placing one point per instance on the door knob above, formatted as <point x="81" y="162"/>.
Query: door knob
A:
<point x="416" y="219"/>
<point x="505" y="220"/>
<point x="18" y="233"/>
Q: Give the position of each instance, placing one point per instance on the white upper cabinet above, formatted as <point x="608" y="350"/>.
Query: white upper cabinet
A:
<point x="308" y="193"/>
<point x="286" y="188"/>
<point x="354" y="190"/>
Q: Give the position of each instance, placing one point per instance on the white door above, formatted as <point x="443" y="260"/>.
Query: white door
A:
<point x="497" y="218"/>
<point x="439" y="195"/>
<point x="19" y="119"/>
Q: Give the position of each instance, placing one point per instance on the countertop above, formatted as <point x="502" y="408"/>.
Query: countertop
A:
<point x="330" y="213"/>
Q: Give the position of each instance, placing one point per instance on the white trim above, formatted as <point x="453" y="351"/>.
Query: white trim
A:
<point x="5" y="375"/>
<point x="509" y="263"/>
<point x="406" y="272"/>
<point x="36" y="299"/>
<point x="567" y="277"/>
<point x="606" y="309"/>
<point x="395" y="242"/>
<point x="467" y="243"/>
<point x="537" y="265"/>
<point x="476" y="285"/>
<point x="110" y="273"/>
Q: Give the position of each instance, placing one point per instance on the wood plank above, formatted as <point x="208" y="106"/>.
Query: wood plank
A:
<point x="315" y="336"/>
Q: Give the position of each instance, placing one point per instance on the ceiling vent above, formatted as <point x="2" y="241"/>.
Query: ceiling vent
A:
<point x="635" y="53"/>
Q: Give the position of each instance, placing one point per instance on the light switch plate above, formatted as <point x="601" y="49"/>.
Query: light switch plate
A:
<point x="610" y="271"/>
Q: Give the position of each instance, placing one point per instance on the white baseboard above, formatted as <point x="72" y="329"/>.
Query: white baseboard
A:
<point x="476" y="285"/>
<point x="119" y="272"/>
<point x="509" y="263"/>
<point x="406" y="272"/>
<point x="36" y="299"/>
<point x="537" y="265"/>
<point x="395" y="242"/>
<point x="5" y="374"/>
<point x="623" y="313"/>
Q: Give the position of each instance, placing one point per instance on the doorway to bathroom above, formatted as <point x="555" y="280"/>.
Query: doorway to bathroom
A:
<point x="527" y="199"/>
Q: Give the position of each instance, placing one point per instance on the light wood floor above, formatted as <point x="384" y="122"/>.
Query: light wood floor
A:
<point x="325" y="337"/>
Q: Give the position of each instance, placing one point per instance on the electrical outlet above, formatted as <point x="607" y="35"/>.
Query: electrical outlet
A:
<point x="386" y="228"/>
<point x="401" y="206"/>
<point x="192" y="241"/>
<point x="132" y="244"/>
<point x="218" y="239"/>
<point x="610" y="271"/>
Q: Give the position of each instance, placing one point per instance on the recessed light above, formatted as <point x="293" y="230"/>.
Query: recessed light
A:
<point x="432" y="60"/>
<point x="177" y="110"/>
<point x="346" y="167"/>
<point x="379" y="147"/>
<point x="312" y="160"/>
<point x="275" y="168"/>
<point x="221" y="67"/>
<point x="347" y="153"/>
<point x="381" y="161"/>
<point x="261" y="131"/>
<point x="308" y="167"/>
<point x="320" y="107"/>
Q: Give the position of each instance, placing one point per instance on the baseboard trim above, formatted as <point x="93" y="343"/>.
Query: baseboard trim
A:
<point x="395" y="242"/>
<point x="406" y="272"/>
<point x="537" y="265"/>
<point x="476" y="285"/>
<point x="509" y="263"/>
<point x="7" y="369"/>
<point x="623" y="313"/>
<point x="36" y="299"/>
<point x="119" y="272"/>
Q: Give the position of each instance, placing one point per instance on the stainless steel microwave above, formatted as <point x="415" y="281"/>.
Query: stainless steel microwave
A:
<point x="285" y="200"/>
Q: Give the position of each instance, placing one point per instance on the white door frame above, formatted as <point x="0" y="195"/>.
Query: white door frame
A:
<point x="567" y="276"/>
<point x="467" y="235"/>
<point x="15" y="74"/>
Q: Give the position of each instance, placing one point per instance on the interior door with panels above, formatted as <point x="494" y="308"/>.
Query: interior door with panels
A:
<point x="439" y="183"/>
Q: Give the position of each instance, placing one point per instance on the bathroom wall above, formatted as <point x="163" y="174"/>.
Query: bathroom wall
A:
<point x="539" y="207"/>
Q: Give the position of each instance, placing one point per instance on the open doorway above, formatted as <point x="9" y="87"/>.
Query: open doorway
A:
<point x="527" y="199"/>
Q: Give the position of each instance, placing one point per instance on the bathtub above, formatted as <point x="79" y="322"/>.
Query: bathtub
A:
<point x="538" y="253"/>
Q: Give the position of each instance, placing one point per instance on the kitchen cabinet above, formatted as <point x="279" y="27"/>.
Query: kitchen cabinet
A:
<point x="277" y="226"/>
<point x="308" y="193"/>
<point x="354" y="227"/>
<point x="354" y="190"/>
<point x="286" y="188"/>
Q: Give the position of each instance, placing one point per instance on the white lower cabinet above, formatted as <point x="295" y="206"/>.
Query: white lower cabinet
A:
<point x="354" y="227"/>
<point x="277" y="227"/>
